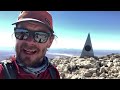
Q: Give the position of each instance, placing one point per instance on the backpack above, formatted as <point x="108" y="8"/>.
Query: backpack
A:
<point x="10" y="72"/>
<point x="8" y="69"/>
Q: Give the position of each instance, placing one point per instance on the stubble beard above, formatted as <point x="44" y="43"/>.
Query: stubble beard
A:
<point x="30" y="61"/>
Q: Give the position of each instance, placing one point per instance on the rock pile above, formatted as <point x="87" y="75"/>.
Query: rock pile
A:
<point x="105" y="67"/>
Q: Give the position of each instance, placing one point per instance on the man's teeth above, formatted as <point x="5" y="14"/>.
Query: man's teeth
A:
<point x="30" y="50"/>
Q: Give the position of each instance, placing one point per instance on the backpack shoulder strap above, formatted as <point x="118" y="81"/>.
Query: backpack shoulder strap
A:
<point x="9" y="69"/>
<point x="52" y="71"/>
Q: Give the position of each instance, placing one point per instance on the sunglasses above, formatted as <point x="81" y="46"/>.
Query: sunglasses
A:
<point x="24" y="34"/>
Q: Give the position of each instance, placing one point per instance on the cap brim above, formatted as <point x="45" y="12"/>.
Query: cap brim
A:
<point x="31" y="19"/>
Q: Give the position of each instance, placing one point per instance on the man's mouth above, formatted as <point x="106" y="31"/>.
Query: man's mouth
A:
<point x="30" y="51"/>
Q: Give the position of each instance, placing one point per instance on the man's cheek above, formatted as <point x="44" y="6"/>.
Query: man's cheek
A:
<point x="18" y="47"/>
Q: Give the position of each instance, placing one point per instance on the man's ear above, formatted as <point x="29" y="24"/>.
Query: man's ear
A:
<point x="50" y="41"/>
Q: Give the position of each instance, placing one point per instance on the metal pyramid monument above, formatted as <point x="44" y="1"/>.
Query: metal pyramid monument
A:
<point x="87" y="49"/>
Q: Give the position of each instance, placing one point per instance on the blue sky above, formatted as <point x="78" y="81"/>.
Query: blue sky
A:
<point x="72" y="28"/>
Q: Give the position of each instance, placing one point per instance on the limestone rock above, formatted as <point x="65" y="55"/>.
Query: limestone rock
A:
<point x="105" y="67"/>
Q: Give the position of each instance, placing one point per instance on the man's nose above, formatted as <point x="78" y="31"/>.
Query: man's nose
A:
<point x="30" y="38"/>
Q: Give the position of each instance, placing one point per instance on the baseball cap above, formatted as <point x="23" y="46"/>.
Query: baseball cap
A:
<point x="43" y="17"/>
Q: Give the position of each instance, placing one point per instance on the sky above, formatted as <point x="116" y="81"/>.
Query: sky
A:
<point x="71" y="28"/>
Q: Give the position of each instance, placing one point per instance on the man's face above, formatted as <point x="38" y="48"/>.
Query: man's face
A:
<point x="30" y="52"/>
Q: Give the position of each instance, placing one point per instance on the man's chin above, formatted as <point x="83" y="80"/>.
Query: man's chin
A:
<point x="25" y="59"/>
<point x="27" y="62"/>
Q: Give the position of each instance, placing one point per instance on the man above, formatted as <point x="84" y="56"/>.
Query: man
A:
<point x="34" y="35"/>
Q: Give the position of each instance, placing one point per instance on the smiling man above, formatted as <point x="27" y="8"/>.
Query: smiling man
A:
<point x="34" y="35"/>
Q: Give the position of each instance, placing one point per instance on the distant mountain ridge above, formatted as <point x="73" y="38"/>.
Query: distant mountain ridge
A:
<point x="51" y="53"/>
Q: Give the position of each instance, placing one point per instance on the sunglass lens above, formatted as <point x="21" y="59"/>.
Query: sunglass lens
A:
<point x="21" y="34"/>
<point x="41" y="37"/>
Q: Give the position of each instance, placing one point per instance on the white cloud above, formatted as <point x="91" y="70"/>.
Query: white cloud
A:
<point x="78" y="44"/>
<point x="107" y="45"/>
<point x="67" y="43"/>
<point x="6" y="39"/>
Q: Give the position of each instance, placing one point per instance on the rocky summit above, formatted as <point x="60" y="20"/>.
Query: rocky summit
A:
<point x="105" y="67"/>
